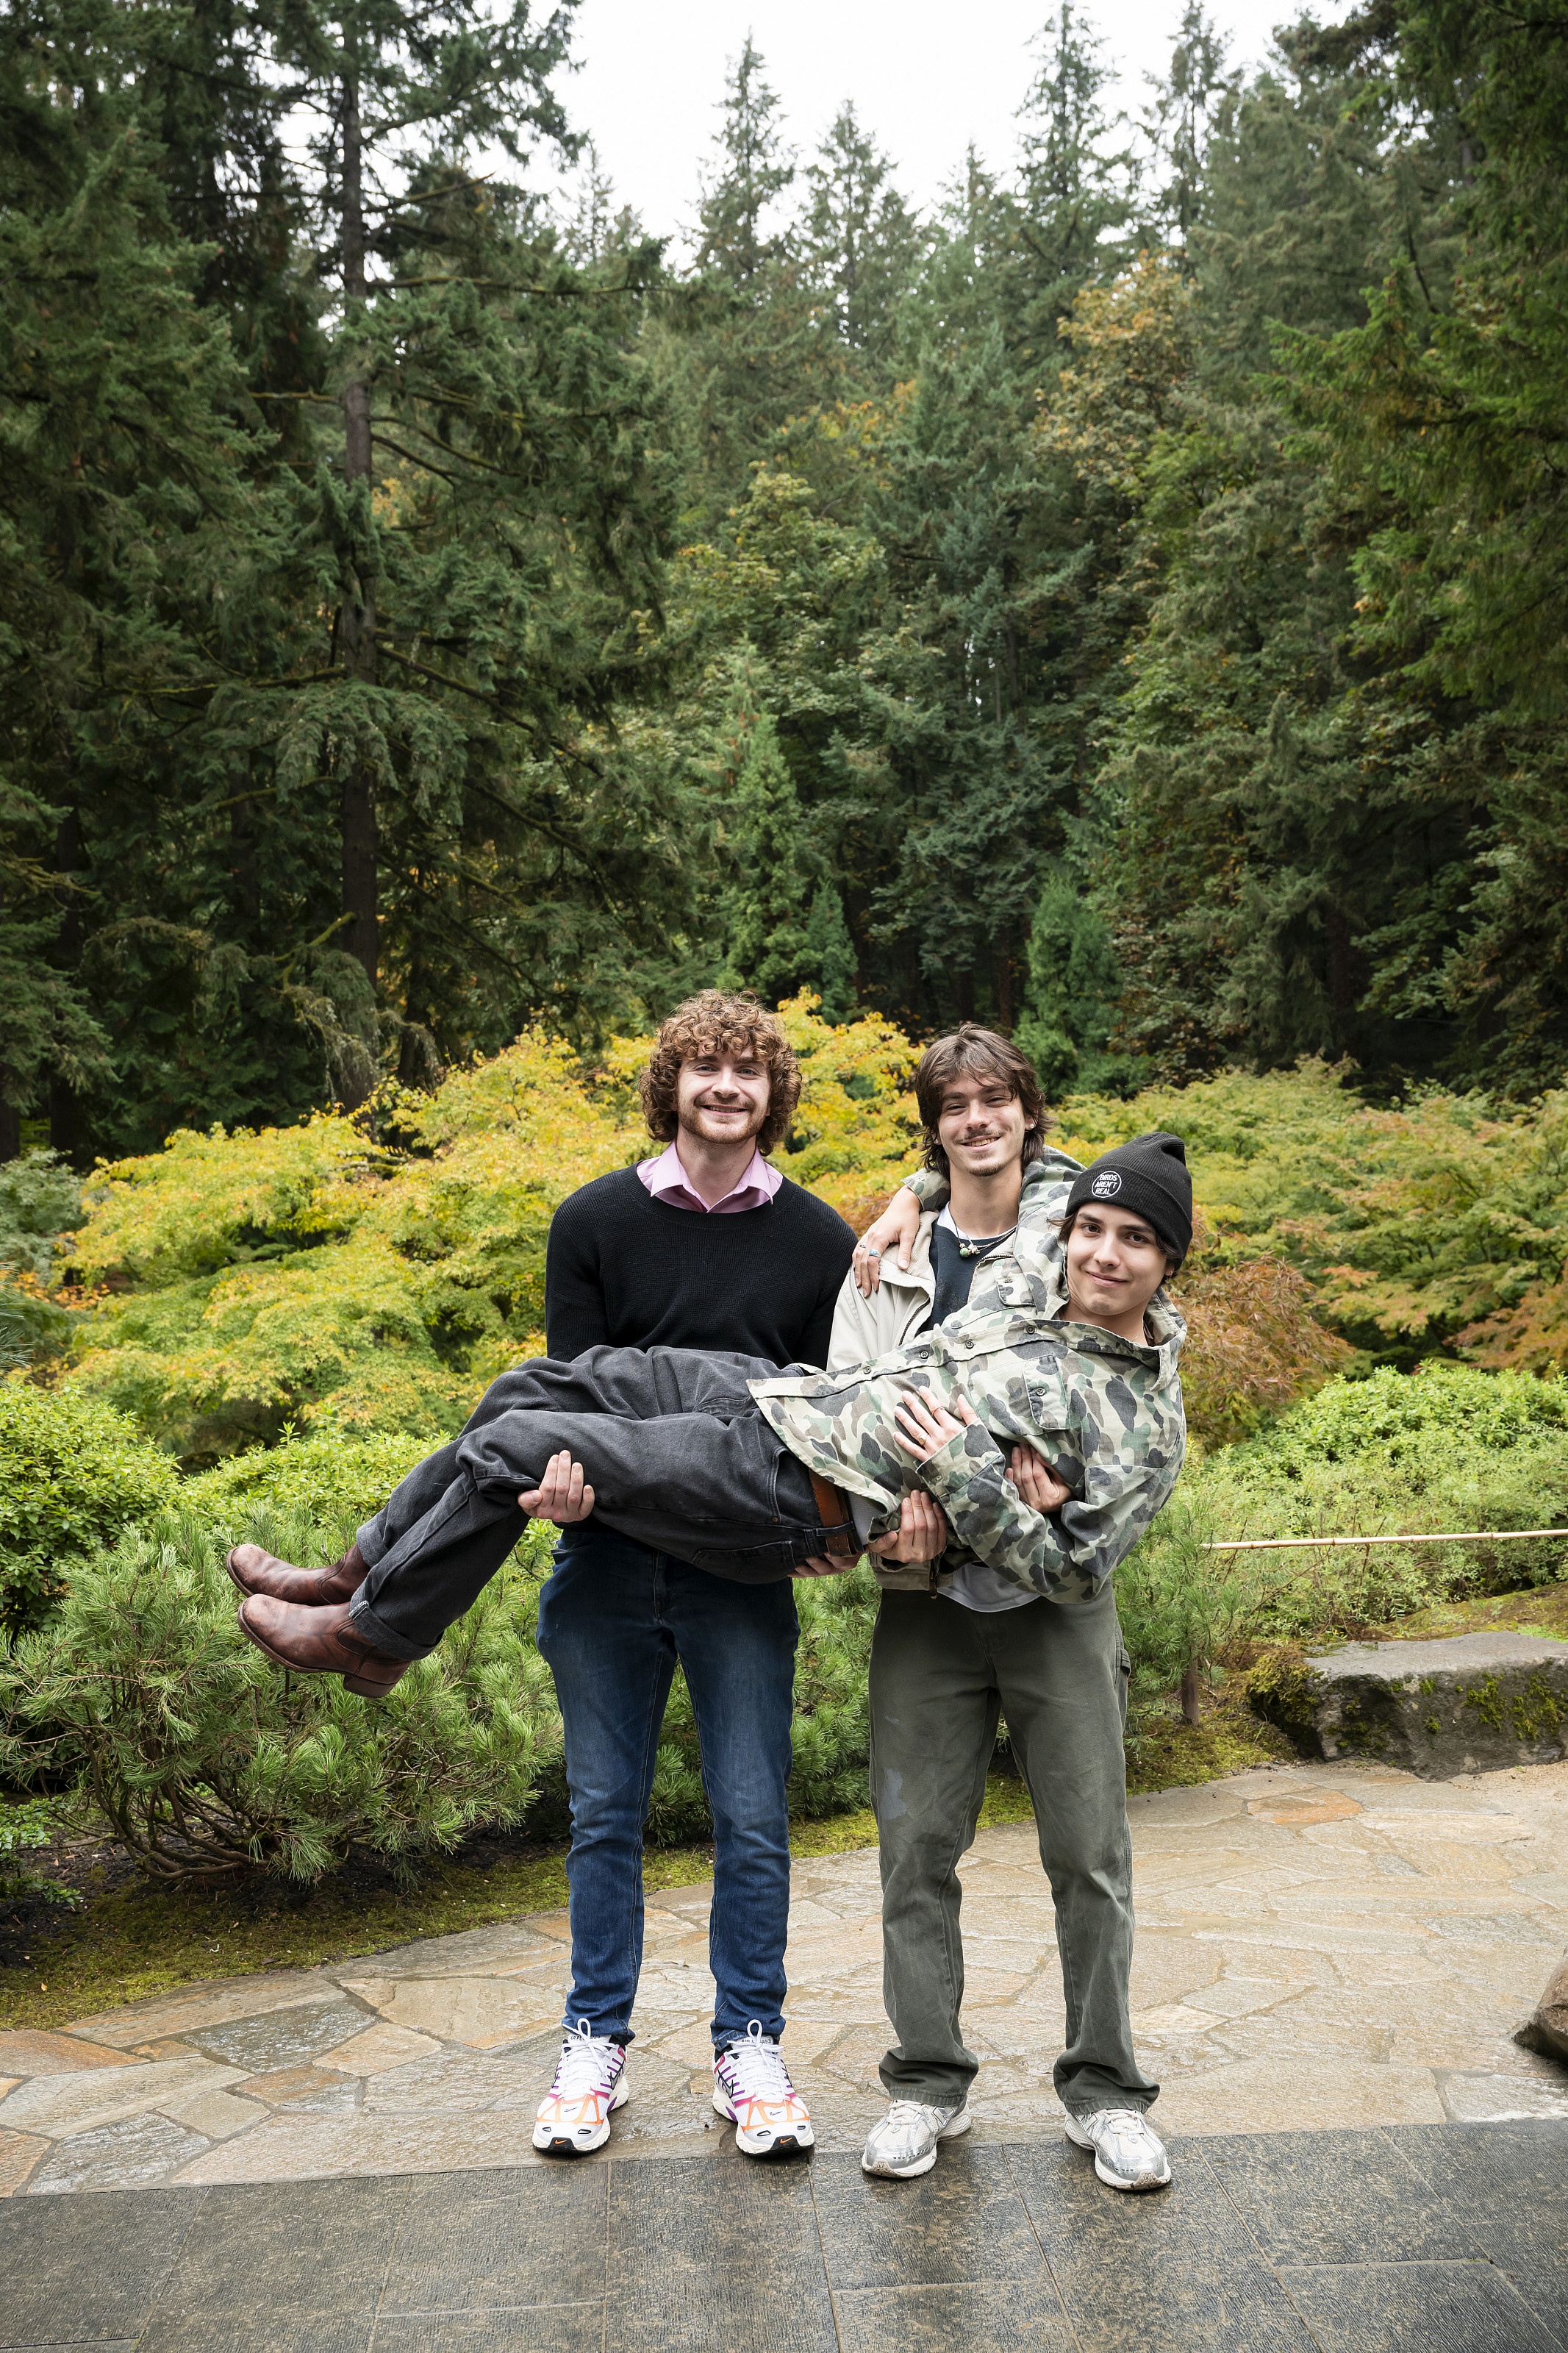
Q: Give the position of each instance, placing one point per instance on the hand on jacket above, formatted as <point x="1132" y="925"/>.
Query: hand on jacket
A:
<point x="563" y="1497"/>
<point x="921" y="1534"/>
<point x="895" y="1228"/>
<point x="925" y="1428"/>
<point x="1035" y="1481"/>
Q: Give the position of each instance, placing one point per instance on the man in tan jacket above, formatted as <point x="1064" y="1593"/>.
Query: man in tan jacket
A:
<point x="956" y="1645"/>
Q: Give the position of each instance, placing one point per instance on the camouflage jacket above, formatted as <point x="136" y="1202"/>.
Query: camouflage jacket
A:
<point x="1104" y="1412"/>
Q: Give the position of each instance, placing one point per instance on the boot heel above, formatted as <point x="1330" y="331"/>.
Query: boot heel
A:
<point x="373" y="1687"/>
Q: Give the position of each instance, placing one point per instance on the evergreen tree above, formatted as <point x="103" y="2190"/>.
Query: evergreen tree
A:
<point x="828" y="962"/>
<point x="1077" y="193"/>
<point x="1074" y="982"/>
<point x="969" y="664"/>
<point x="1178" y="124"/>
<point x="858" y="239"/>
<point x="368" y="74"/>
<point x="128" y="521"/>
<point x="753" y="168"/>
<point x="766" y="944"/>
<point x="596" y="229"/>
<point x="740" y="347"/>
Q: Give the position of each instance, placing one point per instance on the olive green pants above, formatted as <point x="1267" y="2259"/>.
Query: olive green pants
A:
<point x="940" y="1676"/>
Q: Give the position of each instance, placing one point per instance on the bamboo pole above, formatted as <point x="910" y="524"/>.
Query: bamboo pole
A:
<point x="1446" y="1535"/>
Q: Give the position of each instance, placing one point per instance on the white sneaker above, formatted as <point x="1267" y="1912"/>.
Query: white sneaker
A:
<point x="1127" y="2153"/>
<point x="590" y="2086"/>
<point x="904" y="2143"/>
<point x="751" y="2088"/>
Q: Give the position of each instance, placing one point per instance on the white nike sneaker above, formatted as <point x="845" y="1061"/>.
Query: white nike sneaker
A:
<point x="904" y="2143"/>
<point x="751" y="2088"/>
<point x="590" y="2086"/>
<point x="1127" y="2153"/>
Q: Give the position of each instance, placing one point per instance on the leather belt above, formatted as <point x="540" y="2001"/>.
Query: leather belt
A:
<point x="833" y="1510"/>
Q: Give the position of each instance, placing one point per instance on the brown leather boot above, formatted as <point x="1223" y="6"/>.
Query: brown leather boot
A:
<point x="255" y="1571"/>
<point x="320" y="1643"/>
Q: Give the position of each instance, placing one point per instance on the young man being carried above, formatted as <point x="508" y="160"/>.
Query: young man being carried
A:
<point x="968" y="1642"/>
<point x="703" y="1246"/>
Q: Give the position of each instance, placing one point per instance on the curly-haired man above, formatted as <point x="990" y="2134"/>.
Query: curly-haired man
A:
<point x="703" y="1246"/>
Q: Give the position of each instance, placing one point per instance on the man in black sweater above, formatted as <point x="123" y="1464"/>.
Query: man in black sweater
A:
<point x="704" y="1246"/>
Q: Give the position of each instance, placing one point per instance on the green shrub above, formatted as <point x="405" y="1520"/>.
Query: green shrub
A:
<point x="1446" y="1448"/>
<point x="327" y="1478"/>
<point x="1415" y="1418"/>
<point x="147" y="1710"/>
<point x="40" y="1201"/>
<point x="73" y="1474"/>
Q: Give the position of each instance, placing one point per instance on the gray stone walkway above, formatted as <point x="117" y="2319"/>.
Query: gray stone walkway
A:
<point x="1318" y="1947"/>
<point x="1418" y="2239"/>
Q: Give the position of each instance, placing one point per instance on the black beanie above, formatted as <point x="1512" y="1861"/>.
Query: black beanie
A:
<point x="1149" y="1179"/>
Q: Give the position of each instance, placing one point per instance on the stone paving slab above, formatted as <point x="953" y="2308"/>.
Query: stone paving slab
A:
<point x="1325" y="1946"/>
<point x="1394" y="2241"/>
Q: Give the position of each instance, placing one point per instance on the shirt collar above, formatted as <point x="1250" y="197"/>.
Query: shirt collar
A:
<point x="667" y="1180"/>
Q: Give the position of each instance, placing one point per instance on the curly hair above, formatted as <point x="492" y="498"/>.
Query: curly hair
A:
<point x="716" y="1021"/>
<point x="974" y="1052"/>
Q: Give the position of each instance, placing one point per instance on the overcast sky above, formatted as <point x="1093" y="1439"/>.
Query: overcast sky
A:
<point x="926" y="80"/>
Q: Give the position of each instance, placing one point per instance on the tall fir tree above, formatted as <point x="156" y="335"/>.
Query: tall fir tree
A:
<point x="858" y="239"/>
<point x="1178" y="121"/>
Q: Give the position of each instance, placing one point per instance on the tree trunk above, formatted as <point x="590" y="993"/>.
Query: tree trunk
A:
<point x="1005" y="981"/>
<point x="10" y="1130"/>
<point x="1192" y="1693"/>
<point x="64" y="1105"/>
<point x="358" y="806"/>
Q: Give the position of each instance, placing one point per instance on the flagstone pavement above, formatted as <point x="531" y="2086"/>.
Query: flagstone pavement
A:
<point x="1319" y="1946"/>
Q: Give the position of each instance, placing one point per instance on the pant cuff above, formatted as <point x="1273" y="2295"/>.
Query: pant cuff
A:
<point x="371" y="1547"/>
<point x="364" y="1621"/>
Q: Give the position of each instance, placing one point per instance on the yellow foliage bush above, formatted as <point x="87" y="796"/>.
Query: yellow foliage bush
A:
<point x="375" y="1273"/>
<point x="297" y="1274"/>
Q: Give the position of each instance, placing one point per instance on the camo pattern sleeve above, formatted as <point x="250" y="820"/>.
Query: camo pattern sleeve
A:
<point x="1067" y="1556"/>
<point x="930" y="1190"/>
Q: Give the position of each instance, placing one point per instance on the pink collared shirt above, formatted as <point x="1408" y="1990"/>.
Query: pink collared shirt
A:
<point x="667" y="1180"/>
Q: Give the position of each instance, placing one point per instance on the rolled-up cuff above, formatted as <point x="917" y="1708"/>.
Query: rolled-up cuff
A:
<point x="374" y="1629"/>
<point x="371" y="1543"/>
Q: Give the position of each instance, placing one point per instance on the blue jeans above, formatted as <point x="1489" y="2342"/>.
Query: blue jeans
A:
<point x="613" y="1620"/>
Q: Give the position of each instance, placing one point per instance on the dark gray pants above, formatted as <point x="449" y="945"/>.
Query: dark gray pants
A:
<point x="940" y="1676"/>
<point x="669" y="1440"/>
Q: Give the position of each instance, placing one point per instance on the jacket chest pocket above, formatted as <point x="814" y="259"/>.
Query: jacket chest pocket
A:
<point x="1048" y="1406"/>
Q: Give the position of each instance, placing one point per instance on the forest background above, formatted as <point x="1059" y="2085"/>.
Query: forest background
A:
<point x="1125" y="605"/>
<point x="438" y="631"/>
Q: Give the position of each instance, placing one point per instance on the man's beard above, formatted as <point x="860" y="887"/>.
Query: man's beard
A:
<point x="688" y="1123"/>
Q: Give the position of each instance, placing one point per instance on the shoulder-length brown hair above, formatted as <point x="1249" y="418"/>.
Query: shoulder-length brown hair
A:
<point x="972" y="1053"/>
<point x="716" y="1021"/>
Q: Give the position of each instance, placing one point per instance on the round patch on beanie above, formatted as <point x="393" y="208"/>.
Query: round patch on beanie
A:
<point x="1107" y="1185"/>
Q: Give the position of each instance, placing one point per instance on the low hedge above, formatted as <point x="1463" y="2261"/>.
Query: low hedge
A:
<point x="144" y="1708"/>
<point x="140" y="1704"/>
<point x="73" y="1474"/>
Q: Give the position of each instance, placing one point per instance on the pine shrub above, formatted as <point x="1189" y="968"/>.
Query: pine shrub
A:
<point x="145" y="1708"/>
<point x="73" y="1474"/>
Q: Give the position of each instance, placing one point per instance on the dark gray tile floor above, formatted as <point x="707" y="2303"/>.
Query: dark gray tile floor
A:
<point x="1440" y="2239"/>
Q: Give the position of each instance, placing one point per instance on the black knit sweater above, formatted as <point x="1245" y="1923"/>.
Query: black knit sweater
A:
<point x="623" y="1267"/>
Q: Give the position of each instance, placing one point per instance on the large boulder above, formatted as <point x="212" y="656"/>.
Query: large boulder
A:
<point x="1459" y="1705"/>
